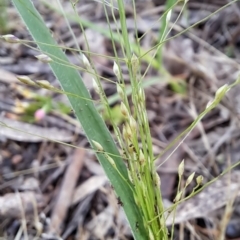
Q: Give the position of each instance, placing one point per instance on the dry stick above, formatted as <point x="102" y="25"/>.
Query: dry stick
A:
<point x="23" y="216"/>
<point x="10" y="207"/>
<point x="66" y="192"/>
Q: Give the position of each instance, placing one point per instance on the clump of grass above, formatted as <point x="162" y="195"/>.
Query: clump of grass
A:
<point x="135" y="141"/>
<point x="133" y="172"/>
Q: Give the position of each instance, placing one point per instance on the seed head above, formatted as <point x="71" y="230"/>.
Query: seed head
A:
<point x="169" y="14"/>
<point x="44" y="84"/>
<point x="199" y="179"/>
<point x="86" y="62"/>
<point x="133" y="124"/>
<point x="157" y="181"/>
<point x="128" y="131"/>
<point x="135" y="64"/>
<point x="189" y="179"/>
<point x="178" y="197"/>
<point x="97" y="145"/>
<point x="111" y="161"/>
<point x="26" y="80"/>
<point x="141" y="158"/>
<point x="124" y="133"/>
<point x="44" y="58"/>
<point x="120" y="91"/>
<point x="141" y="95"/>
<point x="124" y="110"/>
<point x="116" y="70"/>
<point x="11" y="38"/>
<point x="181" y="168"/>
<point x="221" y="91"/>
<point x="95" y="86"/>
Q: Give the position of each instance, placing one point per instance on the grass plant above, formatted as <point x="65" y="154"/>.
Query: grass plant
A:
<point x="132" y="170"/>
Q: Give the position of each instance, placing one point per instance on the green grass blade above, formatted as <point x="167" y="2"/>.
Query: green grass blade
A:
<point x="86" y="113"/>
